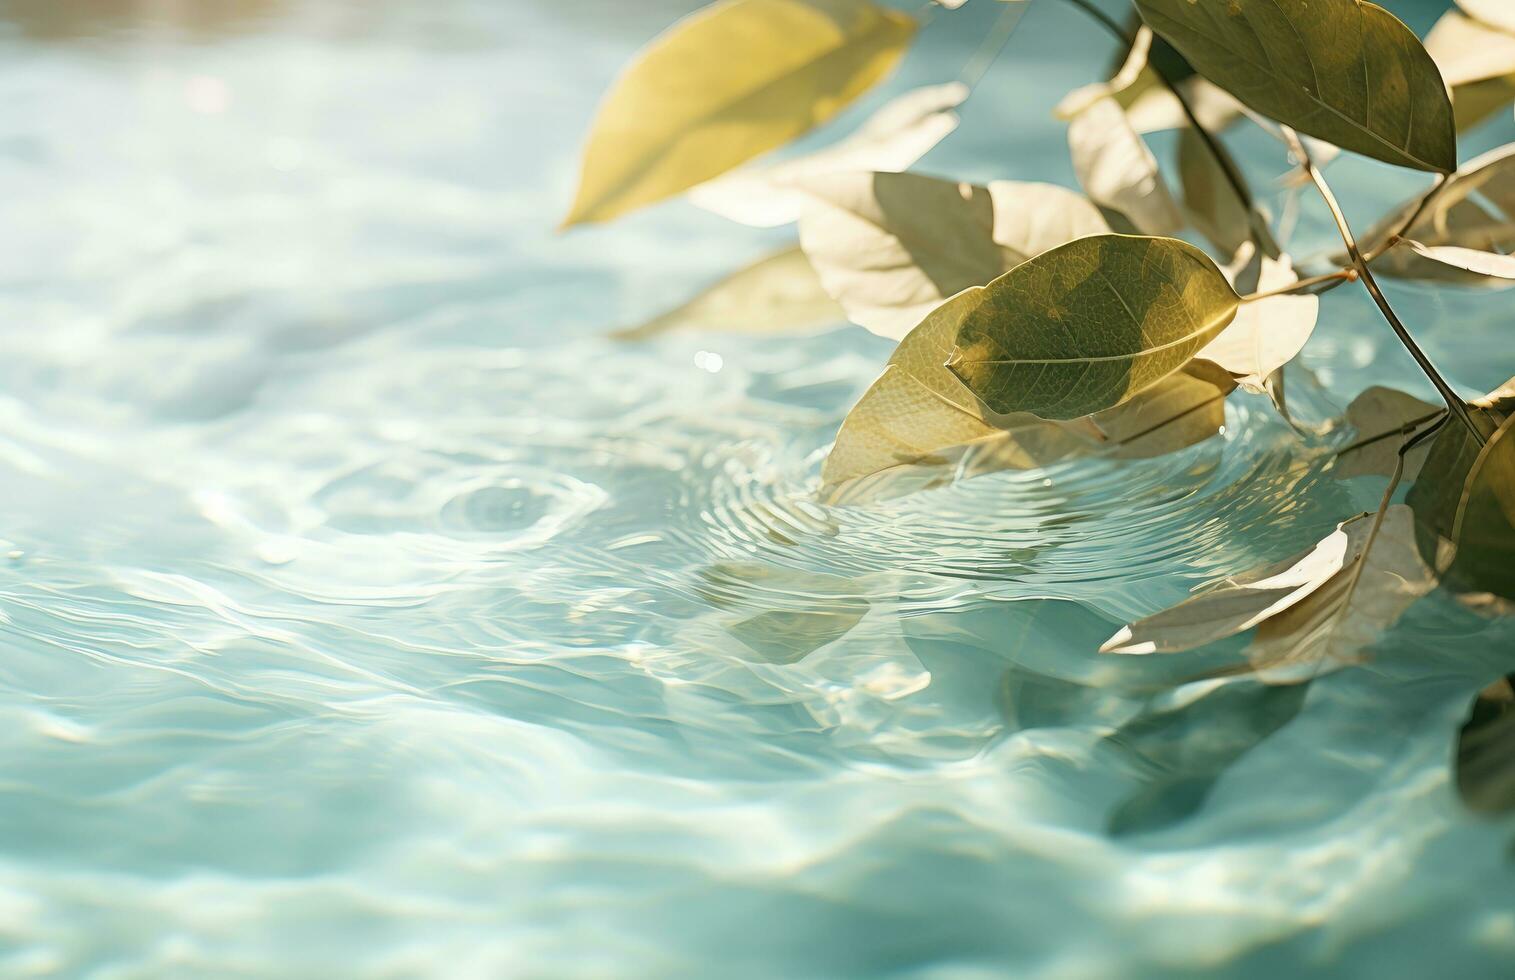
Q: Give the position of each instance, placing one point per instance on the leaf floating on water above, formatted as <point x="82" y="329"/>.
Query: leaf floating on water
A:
<point x="1313" y="613"/>
<point x="1493" y="265"/>
<point x="1345" y="71"/>
<point x="1118" y="171"/>
<point x="1267" y="333"/>
<point x="778" y="294"/>
<point x="890" y="141"/>
<point x="1486" y="750"/>
<point x="917" y="426"/>
<point x="726" y="84"/>
<point x="892" y="247"/>
<point x="1384" y="418"/>
<point x="1089" y="324"/>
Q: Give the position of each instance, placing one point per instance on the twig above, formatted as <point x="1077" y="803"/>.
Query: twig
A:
<point x="1454" y="402"/>
<point x="1343" y="275"/>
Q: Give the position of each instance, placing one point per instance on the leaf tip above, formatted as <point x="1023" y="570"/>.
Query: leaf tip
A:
<point x="1121" y="643"/>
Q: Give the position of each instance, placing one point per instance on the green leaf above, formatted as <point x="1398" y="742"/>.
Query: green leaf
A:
<point x="1475" y="519"/>
<point x="1316" y="611"/>
<point x="1486" y="750"/>
<point x="918" y="427"/>
<point x="1087" y="325"/>
<point x="1438" y="496"/>
<point x="1345" y="71"/>
<point x="726" y="84"/>
<point x="892" y="247"/>
<point x="777" y="294"/>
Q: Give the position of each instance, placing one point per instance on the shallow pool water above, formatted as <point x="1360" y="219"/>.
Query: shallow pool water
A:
<point x="365" y="610"/>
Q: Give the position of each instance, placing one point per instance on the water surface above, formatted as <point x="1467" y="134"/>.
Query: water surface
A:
<point x="367" y="611"/>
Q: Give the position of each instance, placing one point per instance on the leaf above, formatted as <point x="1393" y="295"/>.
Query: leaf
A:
<point x="1477" y="61"/>
<point x="777" y="294"/>
<point x="918" y="427"/>
<point x="891" y="140"/>
<point x="1438" y="496"/>
<point x="1313" y="612"/>
<point x="1155" y="109"/>
<point x="1210" y="202"/>
<point x="724" y="85"/>
<point x="1345" y="71"/>
<point x="790" y="613"/>
<point x="1486" y="750"/>
<point x="1087" y="325"/>
<point x="1267" y="333"/>
<point x="1384" y="418"/>
<point x="1474" y="210"/>
<point x="1498" y="13"/>
<point x="1118" y="171"/>
<point x="892" y="247"/>
<point x="1493" y="265"/>
<point x="1481" y="528"/>
<point x="1132" y="79"/>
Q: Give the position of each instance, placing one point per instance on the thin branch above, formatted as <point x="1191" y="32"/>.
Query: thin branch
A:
<point x="1342" y="275"/>
<point x="1453" y="400"/>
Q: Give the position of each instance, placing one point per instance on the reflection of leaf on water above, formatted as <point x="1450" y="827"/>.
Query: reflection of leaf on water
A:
<point x="1183" y="749"/>
<point x="797" y="612"/>
<point x="777" y="294"/>
<point x="1486" y="750"/>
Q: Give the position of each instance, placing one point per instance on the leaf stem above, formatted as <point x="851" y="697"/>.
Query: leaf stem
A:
<point x="1303" y="284"/>
<point x="1219" y="155"/>
<point x="1454" y="402"/>
<point x="1425" y="201"/>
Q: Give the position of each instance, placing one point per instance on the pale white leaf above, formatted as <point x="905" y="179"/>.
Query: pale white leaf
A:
<point x="1118" y="171"/>
<point x="892" y="139"/>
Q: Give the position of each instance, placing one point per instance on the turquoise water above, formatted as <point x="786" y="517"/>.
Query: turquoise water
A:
<point x="367" y="612"/>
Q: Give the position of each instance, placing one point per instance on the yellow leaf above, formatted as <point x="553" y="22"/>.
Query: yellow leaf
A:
<point x="726" y="84"/>
<point x="1498" y="13"/>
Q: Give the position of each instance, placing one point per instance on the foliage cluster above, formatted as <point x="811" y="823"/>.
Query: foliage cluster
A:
<point x="1037" y="324"/>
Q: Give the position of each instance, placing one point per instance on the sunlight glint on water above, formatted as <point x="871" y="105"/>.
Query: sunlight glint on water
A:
<point x="366" y="611"/>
